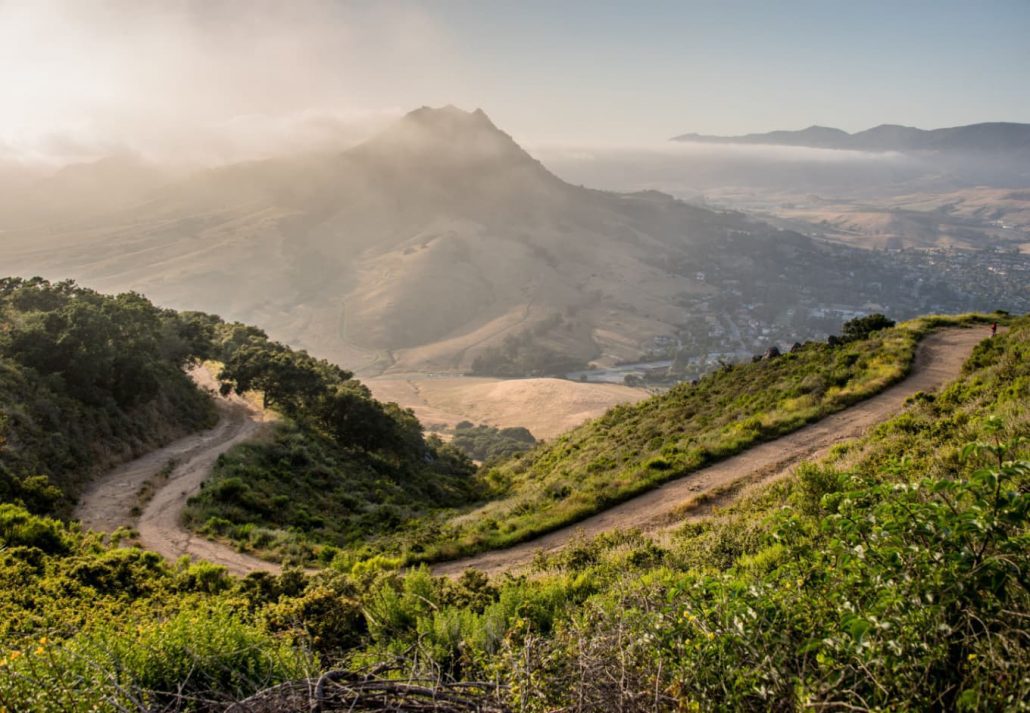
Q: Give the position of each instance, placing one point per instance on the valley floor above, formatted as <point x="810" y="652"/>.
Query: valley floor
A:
<point x="547" y="407"/>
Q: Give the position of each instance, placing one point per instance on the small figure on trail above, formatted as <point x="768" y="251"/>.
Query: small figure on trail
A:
<point x="994" y="329"/>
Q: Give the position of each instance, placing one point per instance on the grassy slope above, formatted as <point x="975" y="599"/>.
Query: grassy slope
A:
<point x="636" y="447"/>
<point x="892" y="575"/>
<point x="296" y="495"/>
<point x="296" y="499"/>
<point x="67" y="440"/>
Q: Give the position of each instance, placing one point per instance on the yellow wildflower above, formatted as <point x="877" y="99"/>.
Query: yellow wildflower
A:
<point x="39" y="650"/>
<point x="971" y="657"/>
<point x="42" y="641"/>
<point x="14" y="655"/>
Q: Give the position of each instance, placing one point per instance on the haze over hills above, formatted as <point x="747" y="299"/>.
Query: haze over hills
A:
<point x="440" y="241"/>
<point x="79" y="191"/>
<point x="990" y="137"/>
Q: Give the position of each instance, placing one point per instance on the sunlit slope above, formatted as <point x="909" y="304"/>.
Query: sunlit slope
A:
<point x="635" y="447"/>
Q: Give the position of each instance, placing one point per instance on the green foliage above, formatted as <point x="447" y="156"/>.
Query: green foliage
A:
<point x="205" y="652"/>
<point x="891" y="575"/>
<point x="888" y="576"/>
<point x="863" y="327"/>
<point x="486" y="443"/>
<point x="289" y="381"/>
<point x="635" y="447"/>
<point x="340" y="470"/>
<point x="320" y="396"/>
<point x="298" y="495"/>
<point x="19" y="529"/>
<point x="332" y="622"/>
<point x="86" y="380"/>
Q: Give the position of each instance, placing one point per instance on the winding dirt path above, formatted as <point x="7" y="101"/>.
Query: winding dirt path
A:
<point x="939" y="359"/>
<point x="114" y="500"/>
<point x="110" y="501"/>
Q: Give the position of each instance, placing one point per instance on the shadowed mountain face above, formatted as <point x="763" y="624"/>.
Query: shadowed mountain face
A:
<point x="992" y="137"/>
<point x="435" y="242"/>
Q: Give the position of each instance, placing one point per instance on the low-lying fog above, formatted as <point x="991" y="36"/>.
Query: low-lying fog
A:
<point x="688" y="170"/>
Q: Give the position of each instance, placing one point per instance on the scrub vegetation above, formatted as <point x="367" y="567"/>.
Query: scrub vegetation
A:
<point x="892" y="571"/>
<point x="88" y="380"/>
<point x="635" y="447"/>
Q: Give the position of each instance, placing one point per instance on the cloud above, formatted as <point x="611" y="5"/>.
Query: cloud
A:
<point x="688" y="169"/>
<point x="220" y="80"/>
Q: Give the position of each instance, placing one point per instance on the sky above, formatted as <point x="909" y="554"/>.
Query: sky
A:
<point x="225" y="79"/>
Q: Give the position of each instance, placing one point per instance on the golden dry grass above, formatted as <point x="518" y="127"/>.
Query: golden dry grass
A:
<point x="547" y="407"/>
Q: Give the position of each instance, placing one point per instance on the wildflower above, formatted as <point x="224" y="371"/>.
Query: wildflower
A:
<point x="42" y="641"/>
<point x="710" y="635"/>
<point x="971" y="657"/>
<point x="39" y="650"/>
<point x="14" y="655"/>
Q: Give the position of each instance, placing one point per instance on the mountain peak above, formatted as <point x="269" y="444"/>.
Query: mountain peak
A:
<point x="448" y="135"/>
<point x="450" y="120"/>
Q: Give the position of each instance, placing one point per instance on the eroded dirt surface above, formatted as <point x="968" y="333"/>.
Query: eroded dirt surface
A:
<point x="113" y="500"/>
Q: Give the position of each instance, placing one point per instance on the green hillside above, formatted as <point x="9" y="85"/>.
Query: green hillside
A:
<point x="86" y="381"/>
<point x="635" y="447"/>
<point x="891" y="575"/>
<point x="298" y="496"/>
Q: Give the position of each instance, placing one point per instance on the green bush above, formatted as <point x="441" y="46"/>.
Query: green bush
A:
<point x="86" y="381"/>
<point x="204" y="653"/>
<point x="19" y="528"/>
<point x="890" y="575"/>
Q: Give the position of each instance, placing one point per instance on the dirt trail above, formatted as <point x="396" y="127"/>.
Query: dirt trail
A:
<point x="110" y="500"/>
<point x="939" y="359"/>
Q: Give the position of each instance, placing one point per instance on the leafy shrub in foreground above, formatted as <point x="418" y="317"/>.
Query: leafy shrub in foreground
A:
<point x="205" y="653"/>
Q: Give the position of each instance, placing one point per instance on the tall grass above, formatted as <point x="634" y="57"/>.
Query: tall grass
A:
<point x="202" y="655"/>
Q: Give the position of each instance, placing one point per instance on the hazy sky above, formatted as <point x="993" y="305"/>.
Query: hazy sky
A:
<point x="230" y="78"/>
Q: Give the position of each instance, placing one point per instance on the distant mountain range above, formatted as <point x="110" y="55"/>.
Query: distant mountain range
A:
<point x="440" y="241"/>
<point x="992" y="137"/>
